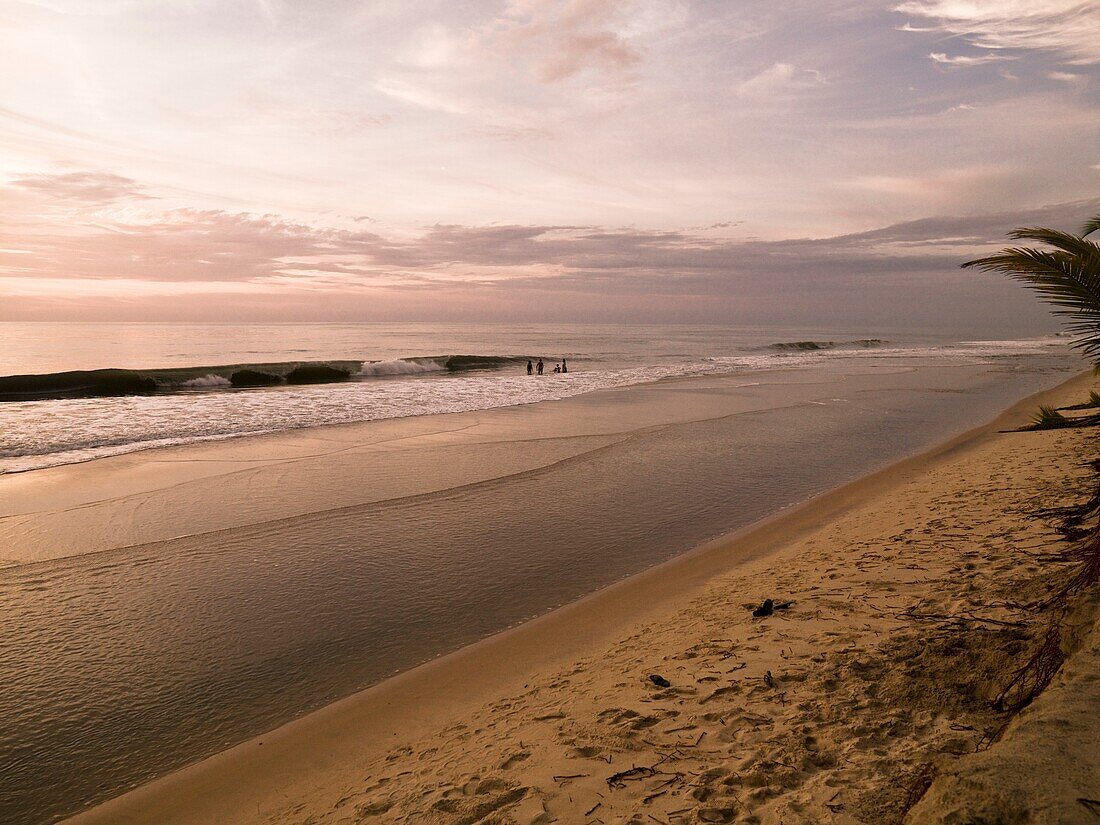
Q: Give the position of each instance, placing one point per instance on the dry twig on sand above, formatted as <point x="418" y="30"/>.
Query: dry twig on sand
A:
<point x="1031" y="679"/>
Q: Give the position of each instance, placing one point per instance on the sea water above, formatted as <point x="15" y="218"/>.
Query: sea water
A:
<point x="392" y="371"/>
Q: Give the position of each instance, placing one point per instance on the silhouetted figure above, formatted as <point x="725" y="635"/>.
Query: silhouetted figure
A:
<point x="563" y="367"/>
<point x="538" y="367"/>
<point x="557" y="367"/>
<point x="530" y="368"/>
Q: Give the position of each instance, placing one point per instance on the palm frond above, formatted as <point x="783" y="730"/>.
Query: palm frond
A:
<point x="1087" y="251"/>
<point x="1091" y="226"/>
<point x="1068" y="277"/>
<point x="1048" y="418"/>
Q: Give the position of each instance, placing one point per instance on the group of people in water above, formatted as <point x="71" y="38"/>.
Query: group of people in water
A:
<point x="537" y="369"/>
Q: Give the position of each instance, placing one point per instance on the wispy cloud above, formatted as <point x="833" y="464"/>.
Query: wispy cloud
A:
<point x="1070" y="28"/>
<point x="968" y="60"/>
<point x="91" y="187"/>
<point x="419" y="96"/>
<point x="560" y="41"/>
<point x="1073" y="79"/>
<point x="780" y="79"/>
<point x="942" y="184"/>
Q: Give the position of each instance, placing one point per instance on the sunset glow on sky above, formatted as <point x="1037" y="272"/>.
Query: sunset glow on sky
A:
<point x="525" y="160"/>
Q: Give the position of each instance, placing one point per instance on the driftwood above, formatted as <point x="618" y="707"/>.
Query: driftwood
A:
<point x="953" y="618"/>
<point x="616" y="780"/>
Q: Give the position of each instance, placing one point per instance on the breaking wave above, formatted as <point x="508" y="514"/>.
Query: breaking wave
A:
<point x="802" y="346"/>
<point x="438" y="363"/>
<point x="399" y="366"/>
<point x="206" y="382"/>
<point x="114" y="382"/>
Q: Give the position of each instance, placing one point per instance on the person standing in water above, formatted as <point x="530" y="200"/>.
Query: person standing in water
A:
<point x="563" y="367"/>
<point x="530" y="367"/>
<point x="538" y="367"/>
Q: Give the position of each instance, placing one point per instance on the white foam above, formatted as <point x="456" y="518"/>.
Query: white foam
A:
<point x="401" y="366"/>
<point x="206" y="382"/>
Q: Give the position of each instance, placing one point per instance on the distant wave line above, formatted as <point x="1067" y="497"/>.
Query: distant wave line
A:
<point x="113" y="382"/>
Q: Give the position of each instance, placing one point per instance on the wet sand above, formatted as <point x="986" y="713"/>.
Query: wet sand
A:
<point x="827" y="710"/>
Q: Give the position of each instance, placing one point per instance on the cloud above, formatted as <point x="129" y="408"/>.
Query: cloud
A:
<point x="418" y="96"/>
<point x="975" y="230"/>
<point x="965" y="60"/>
<point x="1070" y="28"/>
<point x="951" y="186"/>
<point x="205" y="263"/>
<point x="211" y="246"/>
<point x="184" y="245"/>
<point x="559" y="41"/>
<point x="89" y="187"/>
<point x="1079" y="81"/>
<point x="431" y="47"/>
<point x="780" y="79"/>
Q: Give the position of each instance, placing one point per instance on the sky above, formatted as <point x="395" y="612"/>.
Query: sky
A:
<point x="730" y="161"/>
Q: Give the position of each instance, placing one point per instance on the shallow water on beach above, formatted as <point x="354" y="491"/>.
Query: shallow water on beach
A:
<point x="121" y="665"/>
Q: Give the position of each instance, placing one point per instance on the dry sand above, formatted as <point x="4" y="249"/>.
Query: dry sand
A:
<point x="907" y="618"/>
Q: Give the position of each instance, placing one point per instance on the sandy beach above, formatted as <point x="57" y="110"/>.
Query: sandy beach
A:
<point x="525" y="412"/>
<point x="908" y="591"/>
<point x="528" y="412"/>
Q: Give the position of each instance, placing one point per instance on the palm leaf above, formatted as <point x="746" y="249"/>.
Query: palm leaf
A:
<point x="1091" y="226"/>
<point x="1076" y="245"/>
<point x="1067" y="276"/>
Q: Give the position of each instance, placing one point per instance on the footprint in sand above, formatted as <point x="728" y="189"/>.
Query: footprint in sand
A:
<point x="399" y="753"/>
<point x="374" y="808"/>
<point x="716" y="814"/>
<point x="588" y="751"/>
<point x="483" y="810"/>
<point x="514" y="760"/>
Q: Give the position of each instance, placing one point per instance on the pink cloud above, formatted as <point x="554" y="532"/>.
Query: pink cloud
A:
<point x="193" y="246"/>
<point x="182" y="245"/>
<point x="559" y="41"/>
<point x="90" y="187"/>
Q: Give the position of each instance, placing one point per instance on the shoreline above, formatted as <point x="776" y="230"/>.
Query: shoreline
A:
<point x="306" y="429"/>
<point x="295" y="759"/>
<point x="76" y="491"/>
<point x="183" y="442"/>
<point x="336" y="426"/>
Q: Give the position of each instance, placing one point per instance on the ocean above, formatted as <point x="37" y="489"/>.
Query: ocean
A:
<point x="142" y="629"/>
<point x="52" y="416"/>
